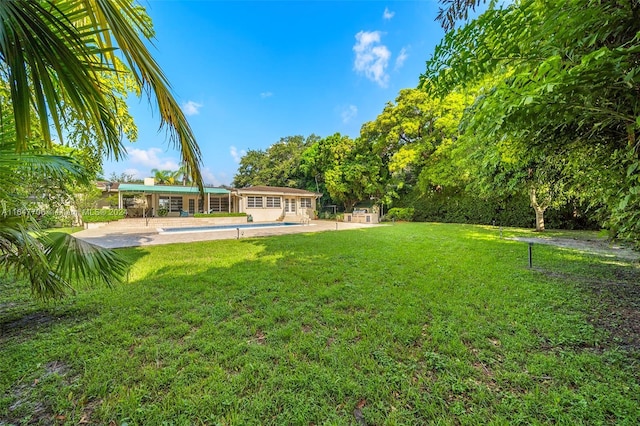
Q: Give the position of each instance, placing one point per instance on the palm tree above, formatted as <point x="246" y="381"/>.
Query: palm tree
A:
<point x="54" y="56"/>
<point x="161" y="176"/>
<point x="50" y="261"/>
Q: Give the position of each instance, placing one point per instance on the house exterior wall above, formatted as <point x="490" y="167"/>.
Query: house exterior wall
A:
<point x="288" y="207"/>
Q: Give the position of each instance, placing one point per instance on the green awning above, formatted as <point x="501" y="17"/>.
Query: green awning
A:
<point x="168" y="189"/>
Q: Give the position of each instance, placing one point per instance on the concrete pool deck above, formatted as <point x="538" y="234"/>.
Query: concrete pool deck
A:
<point x="114" y="237"/>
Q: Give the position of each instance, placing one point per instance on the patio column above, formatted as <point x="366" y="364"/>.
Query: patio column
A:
<point x="229" y="208"/>
<point x="119" y="199"/>
<point x="208" y="203"/>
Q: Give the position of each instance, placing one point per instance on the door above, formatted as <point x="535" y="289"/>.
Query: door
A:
<point x="290" y="205"/>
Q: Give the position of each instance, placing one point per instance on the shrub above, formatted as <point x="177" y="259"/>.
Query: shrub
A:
<point x="219" y="214"/>
<point x="455" y="205"/>
<point x="54" y="220"/>
<point x="398" y="213"/>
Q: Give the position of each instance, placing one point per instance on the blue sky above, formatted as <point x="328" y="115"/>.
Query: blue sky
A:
<point x="248" y="73"/>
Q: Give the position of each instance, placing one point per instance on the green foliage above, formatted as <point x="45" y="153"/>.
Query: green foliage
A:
<point x="408" y="133"/>
<point x="350" y="170"/>
<point x="54" y="220"/>
<point x="58" y="59"/>
<point x="124" y="178"/>
<point x="219" y="215"/>
<point x="557" y="79"/>
<point x="278" y="165"/>
<point x="70" y="66"/>
<point x="398" y="213"/>
<point x="457" y="205"/>
<point x="102" y="215"/>
<point x="414" y="324"/>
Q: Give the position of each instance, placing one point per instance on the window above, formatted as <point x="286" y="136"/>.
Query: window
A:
<point x="128" y="201"/>
<point x="254" y="202"/>
<point x="274" y="202"/>
<point x="305" y="203"/>
<point x="218" y="204"/>
<point x="163" y="203"/>
<point x="175" y="203"/>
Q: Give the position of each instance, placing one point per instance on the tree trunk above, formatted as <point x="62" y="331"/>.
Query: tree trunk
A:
<point x="539" y="209"/>
<point x="348" y="205"/>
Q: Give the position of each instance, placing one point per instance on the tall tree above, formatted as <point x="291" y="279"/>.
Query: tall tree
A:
<point x="351" y="171"/>
<point x="569" y="78"/>
<point x="278" y="165"/>
<point x="52" y="53"/>
<point x="409" y="131"/>
<point x="56" y="57"/>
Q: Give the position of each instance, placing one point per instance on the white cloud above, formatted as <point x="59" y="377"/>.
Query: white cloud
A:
<point x="372" y="58"/>
<point x="191" y="108"/>
<point x="209" y="177"/>
<point x="387" y="14"/>
<point x="137" y="174"/>
<point x="151" y="159"/>
<point x="348" y="113"/>
<point x="402" y="56"/>
<point x="265" y="95"/>
<point x="237" y="155"/>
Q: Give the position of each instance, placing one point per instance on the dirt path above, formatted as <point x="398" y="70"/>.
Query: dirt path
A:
<point x="598" y="247"/>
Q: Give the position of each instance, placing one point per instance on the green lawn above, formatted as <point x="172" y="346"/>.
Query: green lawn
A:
<point x="407" y="324"/>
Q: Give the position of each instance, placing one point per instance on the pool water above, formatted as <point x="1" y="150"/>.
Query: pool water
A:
<point x="211" y="228"/>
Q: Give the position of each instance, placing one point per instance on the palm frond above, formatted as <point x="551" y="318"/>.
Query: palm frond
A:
<point x="53" y="262"/>
<point x="53" y="51"/>
<point x="75" y="260"/>
<point x="125" y="25"/>
<point x="47" y="61"/>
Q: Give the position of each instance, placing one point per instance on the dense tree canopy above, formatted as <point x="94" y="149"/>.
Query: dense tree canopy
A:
<point x="534" y="99"/>
<point x="564" y="80"/>
<point x="278" y="165"/>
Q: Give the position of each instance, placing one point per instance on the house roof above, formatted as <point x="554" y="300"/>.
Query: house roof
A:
<point x="277" y="190"/>
<point x="168" y="189"/>
<point x="113" y="186"/>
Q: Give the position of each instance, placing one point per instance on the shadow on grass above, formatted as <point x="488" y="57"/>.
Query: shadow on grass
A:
<point x="407" y="324"/>
<point x="609" y="280"/>
<point x="22" y="316"/>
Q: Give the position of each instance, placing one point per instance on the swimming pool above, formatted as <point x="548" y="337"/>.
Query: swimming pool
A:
<point x="213" y="228"/>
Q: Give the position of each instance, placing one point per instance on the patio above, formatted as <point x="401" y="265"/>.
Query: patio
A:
<point x="114" y="236"/>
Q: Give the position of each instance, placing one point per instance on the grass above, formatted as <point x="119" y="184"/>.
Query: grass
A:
<point x="395" y="325"/>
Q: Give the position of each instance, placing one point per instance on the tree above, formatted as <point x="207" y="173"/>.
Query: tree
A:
<point x="278" y="165"/>
<point x="124" y="178"/>
<point x="351" y="171"/>
<point x="52" y="53"/>
<point x="166" y="177"/>
<point x="55" y="57"/>
<point x="52" y="261"/>
<point x="568" y="78"/>
<point x="408" y="132"/>
<point x="251" y="167"/>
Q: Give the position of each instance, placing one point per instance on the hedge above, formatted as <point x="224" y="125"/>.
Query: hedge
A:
<point x="455" y="205"/>
<point x="219" y="214"/>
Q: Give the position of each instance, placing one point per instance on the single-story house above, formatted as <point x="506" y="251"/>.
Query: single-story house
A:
<point x="263" y="203"/>
<point x="271" y="203"/>
<point x="152" y="200"/>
